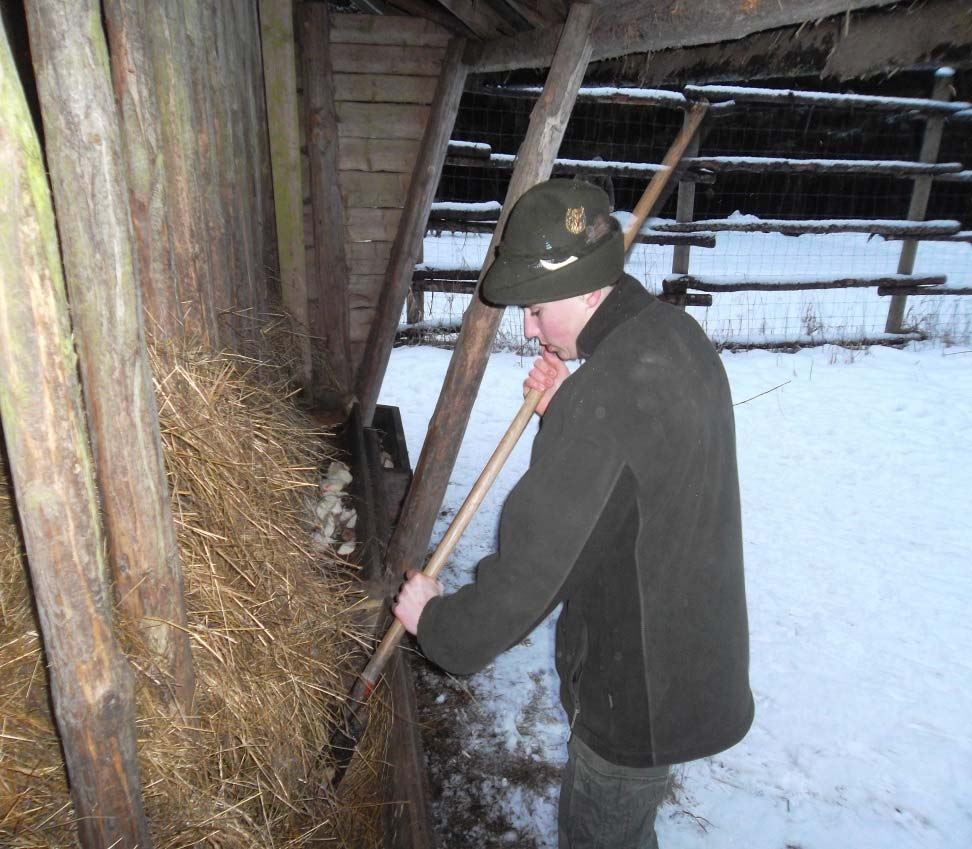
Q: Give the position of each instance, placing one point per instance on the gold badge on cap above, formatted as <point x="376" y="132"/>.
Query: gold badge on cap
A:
<point x="576" y="220"/>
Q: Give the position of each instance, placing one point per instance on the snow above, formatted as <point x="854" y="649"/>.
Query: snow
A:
<point x="653" y="95"/>
<point x="456" y="206"/>
<point x="857" y="524"/>
<point x="857" y="528"/>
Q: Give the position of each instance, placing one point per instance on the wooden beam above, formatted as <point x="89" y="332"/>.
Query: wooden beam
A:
<point x="537" y="152"/>
<point x="887" y="228"/>
<point x="480" y="17"/>
<point x="327" y="281"/>
<point x="920" y="193"/>
<point x="84" y="154"/>
<point x="387" y="29"/>
<point x="135" y="91"/>
<point x="280" y="79"/>
<point x="432" y="11"/>
<point x="680" y="282"/>
<point x="411" y="228"/>
<point x="873" y="41"/>
<point x="642" y="26"/>
<point x="46" y="439"/>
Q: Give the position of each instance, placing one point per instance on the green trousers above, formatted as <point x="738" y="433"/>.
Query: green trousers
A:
<point x="606" y="806"/>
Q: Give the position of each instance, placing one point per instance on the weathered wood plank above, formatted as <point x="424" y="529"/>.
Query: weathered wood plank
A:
<point x="47" y="445"/>
<point x="411" y="61"/>
<point x="387" y="29"/>
<point x="84" y="154"/>
<point x="408" y="240"/>
<point x="384" y="88"/>
<point x="356" y="154"/>
<point x="366" y="285"/>
<point x="368" y="257"/>
<point x="680" y="282"/>
<point x="544" y="135"/>
<point x="383" y="189"/>
<point x="644" y="26"/>
<point x="280" y="79"/>
<point x="328" y="277"/>
<point x="382" y="120"/>
<point x="365" y="225"/>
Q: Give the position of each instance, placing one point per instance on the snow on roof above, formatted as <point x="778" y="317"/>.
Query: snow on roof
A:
<point x="823" y="97"/>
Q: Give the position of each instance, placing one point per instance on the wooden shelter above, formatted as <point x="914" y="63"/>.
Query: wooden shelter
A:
<point x="209" y="162"/>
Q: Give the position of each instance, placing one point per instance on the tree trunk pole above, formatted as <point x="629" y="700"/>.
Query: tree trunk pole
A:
<point x="88" y="178"/>
<point x="135" y="91"/>
<point x="548" y="122"/>
<point x="51" y="468"/>
<point x="918" y="207"/>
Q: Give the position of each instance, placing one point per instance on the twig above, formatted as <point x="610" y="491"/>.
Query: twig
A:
<point x="761" y="394"/>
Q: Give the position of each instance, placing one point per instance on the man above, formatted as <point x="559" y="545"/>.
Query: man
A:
<point x="628" y="515"/>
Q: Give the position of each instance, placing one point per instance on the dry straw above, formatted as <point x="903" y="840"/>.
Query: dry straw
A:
<point x="271" y="627"/>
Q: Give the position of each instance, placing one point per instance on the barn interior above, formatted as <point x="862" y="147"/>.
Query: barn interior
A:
<point x="212" y="235"/>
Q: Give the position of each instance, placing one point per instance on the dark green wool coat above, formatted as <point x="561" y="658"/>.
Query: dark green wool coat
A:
<point x="629" y="515"/>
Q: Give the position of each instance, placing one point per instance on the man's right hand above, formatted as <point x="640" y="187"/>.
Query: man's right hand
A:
<point x="548" y="372"/>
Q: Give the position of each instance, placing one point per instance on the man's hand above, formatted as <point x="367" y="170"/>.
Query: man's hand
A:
<point x="548" y="372"/>
<point x="413" y="595"/>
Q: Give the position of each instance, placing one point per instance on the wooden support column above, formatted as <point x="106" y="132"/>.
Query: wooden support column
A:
<point x="53" y="480"/>
<point x="918" y="207"/>
<point x="83" y="141"/>
<point x="534" y="164"/>
<point x="685" y="208"/>
<point x="411" y="227"/>
<point x="135" y="91"/>
<point x="280" y="79"/>
<point x="327" y="283"/>
<point x="169" y="48"/>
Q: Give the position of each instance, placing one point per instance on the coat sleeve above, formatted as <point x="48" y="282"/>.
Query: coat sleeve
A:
<point x="545" y="523"/>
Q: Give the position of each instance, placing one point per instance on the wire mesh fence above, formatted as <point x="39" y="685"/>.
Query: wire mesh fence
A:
<point x="614" y="133"/>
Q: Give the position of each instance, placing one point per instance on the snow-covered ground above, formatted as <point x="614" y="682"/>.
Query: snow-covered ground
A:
<point x="857" y="516"/>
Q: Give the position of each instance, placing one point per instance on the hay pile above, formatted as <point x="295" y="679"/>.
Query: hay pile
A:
<point x="272" y="639"/>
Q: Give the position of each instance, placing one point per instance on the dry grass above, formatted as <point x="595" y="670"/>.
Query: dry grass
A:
<point x="271" y="631"/>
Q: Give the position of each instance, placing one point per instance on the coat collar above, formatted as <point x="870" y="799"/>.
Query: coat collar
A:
<point x="627" y="299"/>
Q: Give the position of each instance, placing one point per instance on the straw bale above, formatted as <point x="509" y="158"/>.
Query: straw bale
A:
<point x="271" y="627"/>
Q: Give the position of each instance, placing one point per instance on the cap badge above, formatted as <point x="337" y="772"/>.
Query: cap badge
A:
<point x="576" y="220"/>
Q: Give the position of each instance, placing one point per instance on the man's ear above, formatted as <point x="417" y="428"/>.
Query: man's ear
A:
<point x="592" y="299"/>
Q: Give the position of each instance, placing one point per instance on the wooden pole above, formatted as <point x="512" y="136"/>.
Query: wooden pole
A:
<point x="534" y="162"/>
<point x="918" y="206"/>
<point x="411" y="228"/>
<point x="280" y="79"/>
<point x="169" y="48"/>
<point x="685" y="207"/>
<point x="83" y="142"/>
<point x="135" y="91"/>
<point x="53" y="479"/>
<point x="327" y="282"/>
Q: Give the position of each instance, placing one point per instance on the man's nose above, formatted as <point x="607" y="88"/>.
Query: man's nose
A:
<point x="530" y="329"/>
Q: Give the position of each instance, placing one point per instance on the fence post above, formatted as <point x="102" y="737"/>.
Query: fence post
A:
<point x="44" y="430"/>
<point x="685" y="208"/>
<point x="930" y="144"/>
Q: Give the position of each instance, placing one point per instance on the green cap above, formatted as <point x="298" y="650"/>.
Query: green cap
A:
<point x="560" y="240"/>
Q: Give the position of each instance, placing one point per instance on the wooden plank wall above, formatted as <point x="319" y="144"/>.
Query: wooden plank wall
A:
<point x="386" y="70"/>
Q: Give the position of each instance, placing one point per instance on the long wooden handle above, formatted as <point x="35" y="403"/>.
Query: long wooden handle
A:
<point x="661" y="177"/>
<point x="372" y="672"/>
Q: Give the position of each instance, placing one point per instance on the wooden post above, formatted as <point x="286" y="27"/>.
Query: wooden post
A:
<point x="169" y="49"/>
<point x="685" y="208"/>
<point x="934" y="126"/>
<point x="135" y="91"/>
<point x="411" y="227"/>
<point x="51" y="469"/>
<point x="534" y="164"/>
<point x="327" y="284"/>
<point x="280" y="79"/>
<point x="83" y="142"/>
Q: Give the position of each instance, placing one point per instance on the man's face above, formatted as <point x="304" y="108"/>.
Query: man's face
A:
<point x="557" y="324"/>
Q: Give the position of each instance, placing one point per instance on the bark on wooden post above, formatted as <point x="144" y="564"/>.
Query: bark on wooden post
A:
<point x="918" y="206"/>
<point x="411" y="227"/>
<point x="83" y="142"/>
<point x="47" y="445"/>
<point x="534" y="164"/>
<point x="280" y="79"/>
<point x="135" y="90"/>
<point x="169" y="48"/>
<point x="327" y="283"/>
